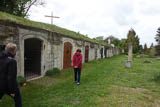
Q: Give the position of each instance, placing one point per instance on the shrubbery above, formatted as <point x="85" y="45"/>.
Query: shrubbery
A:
<point x="21" y="80"/>
<point x="52" y="72"/>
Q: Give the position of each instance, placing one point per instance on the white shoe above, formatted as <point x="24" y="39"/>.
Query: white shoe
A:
<point x="78" y="83"/>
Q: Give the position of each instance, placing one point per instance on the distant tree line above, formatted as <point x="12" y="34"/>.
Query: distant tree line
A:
<point x="154" y="50"/>
<point x="123" y="43"/>
<point x="137" y="47"/>
<point x="135" y="40"/>
<point x="157" y="38"/>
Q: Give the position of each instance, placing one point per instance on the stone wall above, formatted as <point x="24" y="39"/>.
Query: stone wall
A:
<point x="52" y="46"/>
<point x="24" y="34"/>
<point x="91" y="52"/>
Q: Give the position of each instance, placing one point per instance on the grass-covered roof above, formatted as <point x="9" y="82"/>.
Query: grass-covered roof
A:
<point x="49" y="27"/>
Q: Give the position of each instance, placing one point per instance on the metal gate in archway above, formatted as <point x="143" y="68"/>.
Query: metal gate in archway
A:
<point x="96" y="53"/>
<point x="32" y="58"/>
<point x="2" y="47"/>
<point x="101" y="51"/>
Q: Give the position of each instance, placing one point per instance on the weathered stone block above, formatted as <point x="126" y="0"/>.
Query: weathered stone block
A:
<point x="6" y="31"/>
<point x="79" y="43"/>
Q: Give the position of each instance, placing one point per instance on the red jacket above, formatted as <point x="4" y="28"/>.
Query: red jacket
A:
<point x="77" y="60"/>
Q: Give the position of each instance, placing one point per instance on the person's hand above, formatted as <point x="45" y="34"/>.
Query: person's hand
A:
<point x="75" y="66"/>
<point x="12" y="95"/>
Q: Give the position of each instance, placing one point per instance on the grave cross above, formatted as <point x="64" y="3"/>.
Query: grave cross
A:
<point x="52" y="17"/>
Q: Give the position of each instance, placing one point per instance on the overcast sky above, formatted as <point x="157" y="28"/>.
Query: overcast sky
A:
<point x="103" y="17"/>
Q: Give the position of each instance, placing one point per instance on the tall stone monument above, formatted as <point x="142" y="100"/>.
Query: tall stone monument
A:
<point x="130" y="51"/>
<point x="130" y="55"/>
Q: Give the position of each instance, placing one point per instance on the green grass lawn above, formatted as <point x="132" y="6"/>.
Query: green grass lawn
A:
<point x="104" y="83"/>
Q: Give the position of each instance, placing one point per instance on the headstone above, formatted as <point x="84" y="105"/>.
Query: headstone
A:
<point x="158" y="58"/>
<point x="128" y="64"/>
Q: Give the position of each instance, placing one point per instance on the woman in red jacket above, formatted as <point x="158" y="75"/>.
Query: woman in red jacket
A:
<point x="77" y="65"/>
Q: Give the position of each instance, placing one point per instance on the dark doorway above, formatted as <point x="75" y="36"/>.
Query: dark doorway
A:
<point x="32" y="58"/>
<point x="67" y="55"/>
<point x="86" y="53"/>
<point x="105" y="52"/>
<point x="96" y="53"/>
<point x="101" y="52"/>
<point x="2" y="47"/>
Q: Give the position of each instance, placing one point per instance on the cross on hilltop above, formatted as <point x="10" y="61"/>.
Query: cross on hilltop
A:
<point x="52" y="17"/>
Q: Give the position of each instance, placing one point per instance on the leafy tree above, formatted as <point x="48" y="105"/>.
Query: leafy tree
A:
<point x="158" y="36"/>
<point x="140" y="49"/>
<point x="153" y="51"/>
<point x="145" y="49"/>
<point x="138" y="46"/>
<point x="123" y="43"/>
<point x="113" y="40"/>
<point x="19" y="7"/>
<point x="157" y="49"/>
<point x="158" y="41"/>
<point x="132" y="37"/>
<point x="151" y="46"/>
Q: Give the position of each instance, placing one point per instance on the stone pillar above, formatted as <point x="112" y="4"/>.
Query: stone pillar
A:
<point x="130" y="49"/>
<point x="128" y="63"/>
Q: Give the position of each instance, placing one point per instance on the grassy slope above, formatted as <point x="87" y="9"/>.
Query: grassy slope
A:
<point x="104" y="83"/>
<point x="53" y="28"/>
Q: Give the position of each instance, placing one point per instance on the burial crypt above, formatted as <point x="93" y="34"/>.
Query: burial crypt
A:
<point x="41" y="47"/>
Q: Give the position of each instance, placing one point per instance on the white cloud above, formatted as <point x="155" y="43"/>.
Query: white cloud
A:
<point x="103" y="17"/>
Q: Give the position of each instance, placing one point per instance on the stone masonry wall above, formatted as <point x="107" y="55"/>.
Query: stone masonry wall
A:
<point x="52" y="47"/>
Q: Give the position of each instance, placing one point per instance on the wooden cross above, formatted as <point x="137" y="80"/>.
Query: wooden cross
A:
<point x="52" y="17"/>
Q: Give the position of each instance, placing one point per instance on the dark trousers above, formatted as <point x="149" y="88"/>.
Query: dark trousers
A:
<point x="77" y="72"/>
<point x="17" y="98"/>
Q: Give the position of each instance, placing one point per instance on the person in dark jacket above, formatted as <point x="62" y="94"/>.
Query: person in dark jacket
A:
<point x="8" y="74"/>
<point x="77" y="65"/>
